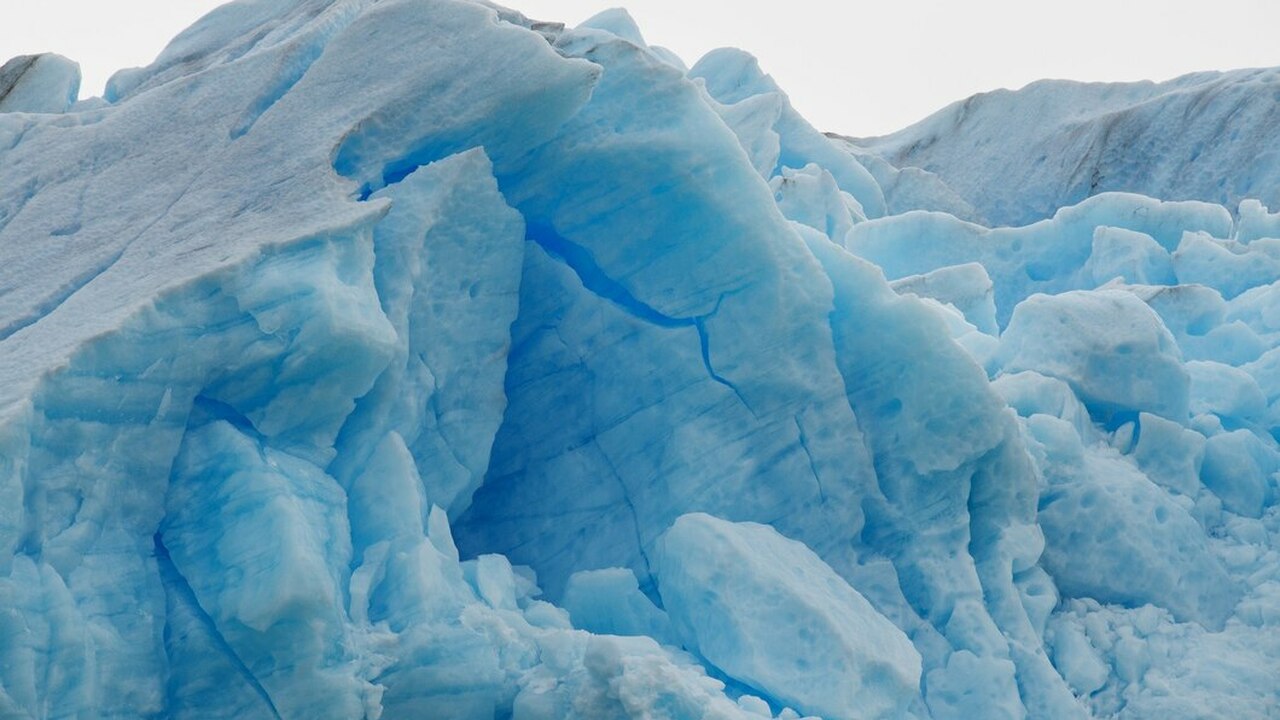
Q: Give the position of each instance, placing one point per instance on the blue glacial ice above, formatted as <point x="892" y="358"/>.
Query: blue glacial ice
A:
<point x="770" y="613"/>
<point x="417" y="359"/>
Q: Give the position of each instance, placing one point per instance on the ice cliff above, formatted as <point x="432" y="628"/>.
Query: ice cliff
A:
<point x="414" y="359"/>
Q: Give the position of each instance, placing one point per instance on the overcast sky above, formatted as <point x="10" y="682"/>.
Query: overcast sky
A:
<point x="856" y="67"/>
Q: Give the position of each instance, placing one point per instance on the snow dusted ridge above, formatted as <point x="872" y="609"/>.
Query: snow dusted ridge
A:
<point x="413" y="359"/>
<point x="1018" y="156"/>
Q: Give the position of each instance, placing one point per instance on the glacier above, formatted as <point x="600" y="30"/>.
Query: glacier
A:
<point x="1054" y="143"/>
<point x="418" y="359"/>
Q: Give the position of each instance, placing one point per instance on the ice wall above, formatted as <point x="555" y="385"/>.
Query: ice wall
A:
<point x="416" y="359"/>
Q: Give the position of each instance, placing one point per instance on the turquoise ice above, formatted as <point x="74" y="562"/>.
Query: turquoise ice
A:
<point x="417" y="359"/>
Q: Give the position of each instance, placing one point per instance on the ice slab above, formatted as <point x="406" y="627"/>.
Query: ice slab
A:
<point x="767" y="611"/>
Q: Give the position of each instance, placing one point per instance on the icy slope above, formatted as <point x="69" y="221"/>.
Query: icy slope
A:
<point x="1019" y="156"/>
<point x="413" y="359"/>
<point x="38" y="83"/>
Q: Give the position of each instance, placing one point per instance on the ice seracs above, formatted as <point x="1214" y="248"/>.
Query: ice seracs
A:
<point x="414" y="358"/>
<point x="1107" y="345"/>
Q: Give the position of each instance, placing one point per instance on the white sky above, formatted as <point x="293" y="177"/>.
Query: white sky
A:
<point x="859" y="67"/>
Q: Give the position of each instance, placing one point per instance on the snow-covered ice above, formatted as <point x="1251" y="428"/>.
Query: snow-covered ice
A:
<point x="45" y="83"/>
<point x="1017" y="156"/>
<point x="417" y="359"/>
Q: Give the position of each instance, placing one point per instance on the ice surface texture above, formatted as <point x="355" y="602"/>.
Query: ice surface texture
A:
<point x="415" y="359"/>
<point x="45" y="83"/>
<point x="1017" y="156"/>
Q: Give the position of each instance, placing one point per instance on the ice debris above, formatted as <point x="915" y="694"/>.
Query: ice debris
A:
<point x="768" y="612"/>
